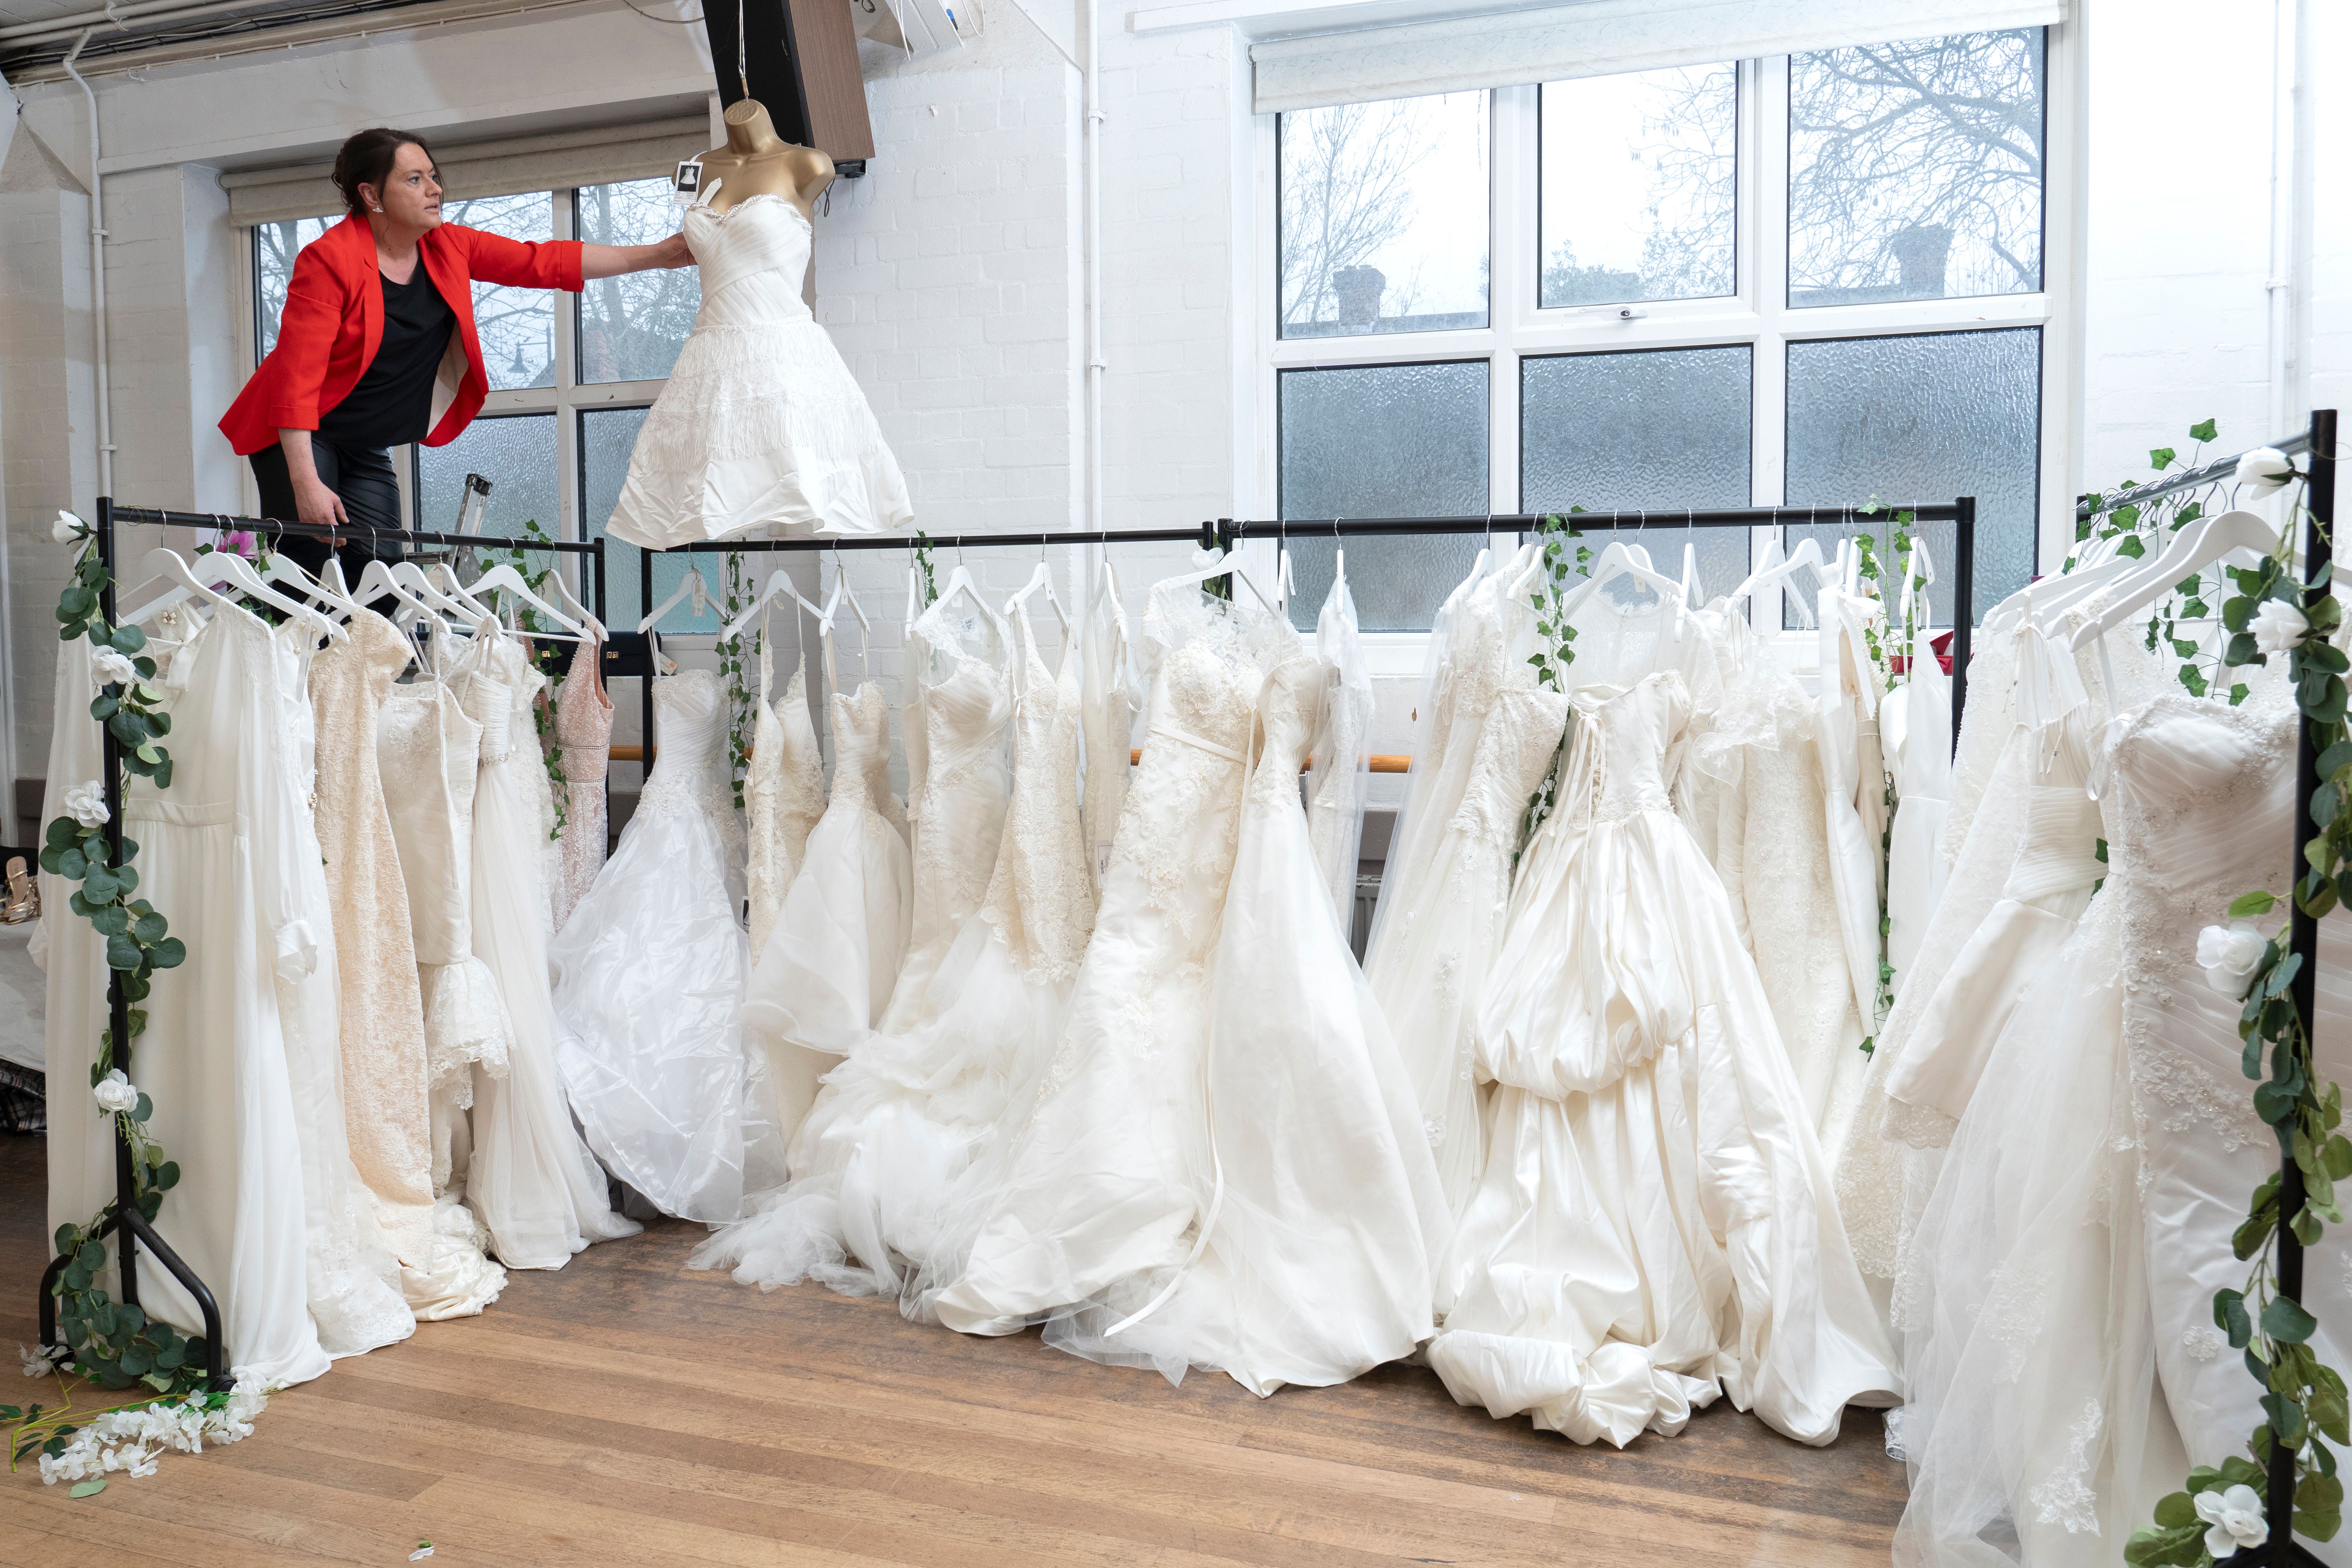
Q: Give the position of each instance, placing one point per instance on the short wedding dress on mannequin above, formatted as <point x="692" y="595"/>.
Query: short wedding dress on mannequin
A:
<point x="649" y="983"/>
<point x="759" y="427"/>
<point x="879" y="1161"/>
<point x="1655" y="1218"/>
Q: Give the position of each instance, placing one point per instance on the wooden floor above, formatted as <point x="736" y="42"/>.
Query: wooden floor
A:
<point x="624" y="1411"/>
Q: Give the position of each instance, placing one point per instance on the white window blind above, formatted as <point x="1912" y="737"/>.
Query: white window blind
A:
<point x="1597" y="38"/>
<point x="587" y="157"/>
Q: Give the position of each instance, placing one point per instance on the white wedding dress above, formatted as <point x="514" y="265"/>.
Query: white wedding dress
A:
<point x="649" y="974"/>
<point x="822" y="982"/>
<point x="1217" y="999"/>
<point x="1340" y="777"/>
<point x="879" y="1161"/>
<point x="760" y="428"/>
<point x="2065" y="1368"/>
<point x="1654" y="1222"/>
<point x="784" y="790"/>
<point x="1428" y="962"/>
<point x="524" y="1171"/>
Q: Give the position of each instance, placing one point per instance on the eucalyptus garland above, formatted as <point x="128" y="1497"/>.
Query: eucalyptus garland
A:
<point x="2303" y="1401"/>
<point x="1564" y="558"/>
<point x="113" y="1344"/>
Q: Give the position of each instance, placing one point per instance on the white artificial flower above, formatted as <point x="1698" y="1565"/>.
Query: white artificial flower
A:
<point x="133" y="1440"/>
<point x="111" y="667"/>
<point x="67" y="528"/>
<point x="2278" y="626"/>
<point x="116" y="1092"/>
<point x="2231" y="955"/>
<point x="85" y="804"/>
<point x="43" y="1362"/>
<point x="2264" y="469"/>
<point x="2236" y="1516"/>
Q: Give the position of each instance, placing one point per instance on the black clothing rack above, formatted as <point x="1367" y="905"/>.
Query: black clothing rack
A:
<point x="2220" y="469"/>
<point x="123" y="1219"/>
<point x="1225" y="532"/>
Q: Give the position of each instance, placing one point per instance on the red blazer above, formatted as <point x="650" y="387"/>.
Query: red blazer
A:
<point x="333" y="320"/>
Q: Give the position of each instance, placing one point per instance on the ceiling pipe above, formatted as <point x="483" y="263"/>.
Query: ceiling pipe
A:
<point x="113" y="15"/>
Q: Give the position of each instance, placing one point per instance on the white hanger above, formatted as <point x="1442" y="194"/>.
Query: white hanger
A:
<point x="283" y="570"/>
<point x="442" y="578"/>
<point x="1691" y="585"/>
<point x="216" y="567"/>
<point x="1807" y="553"/>
<point x="376" y="581"/>
<point x="1621" y="559"/>
<point x="780" y="585"/>
<point x="691" y="583"/>
<point x="1214" y="563"/>
<point x="959" y="581"/>
<point x="2192" y="550"/>
<point x="580" y="612"/>
<point x="504" y="579"/>
<point x="167" y="565"/>
<point x="1040" y="578"/>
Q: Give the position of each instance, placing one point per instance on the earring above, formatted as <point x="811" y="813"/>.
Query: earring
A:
<point x="374" y="209"/>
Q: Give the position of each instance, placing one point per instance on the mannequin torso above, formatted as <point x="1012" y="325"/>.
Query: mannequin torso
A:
<point x="756" y="161"/>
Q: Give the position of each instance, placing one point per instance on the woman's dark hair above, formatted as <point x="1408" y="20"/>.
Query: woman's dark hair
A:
<point x="367" y="160"/>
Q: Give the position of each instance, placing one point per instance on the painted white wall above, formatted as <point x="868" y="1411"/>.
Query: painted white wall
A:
<point x="953" y="281"/>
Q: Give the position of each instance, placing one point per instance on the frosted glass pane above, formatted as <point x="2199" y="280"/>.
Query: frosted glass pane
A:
<point x="1640" y="175"/>
<point x="1925" y="418"/>
<point x="1915" y="169"/>
<point x="631" y="328"/>
<point x="607" y="436"/>
<point x="1393" y="440"/>
<point x="516" y="452"/>
<point x="275" y="246"/>
<point x="516" y="326"/>
<point x="1655" y="430"/>
<point x="1384" y="216"/>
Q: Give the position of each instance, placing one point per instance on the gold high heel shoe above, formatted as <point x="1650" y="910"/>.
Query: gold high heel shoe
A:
<point x="23" y="900"/>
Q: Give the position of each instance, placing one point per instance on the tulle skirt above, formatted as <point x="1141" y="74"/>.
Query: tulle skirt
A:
<point x="649" y="972"/>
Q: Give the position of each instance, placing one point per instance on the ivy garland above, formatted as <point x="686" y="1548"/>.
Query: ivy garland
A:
<point x="113" y="1344"/>
<point x="2303" y="1402"/>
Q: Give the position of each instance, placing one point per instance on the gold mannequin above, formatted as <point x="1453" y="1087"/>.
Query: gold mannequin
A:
<point x="755" y="160"/>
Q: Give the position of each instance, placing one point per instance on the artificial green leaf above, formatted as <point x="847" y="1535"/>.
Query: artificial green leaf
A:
<point x="2286" y="1418"/>
<point x="72" y="864"/>
<point x="2176" y="1509"/>
<point x="2150" y="1547"/>
<point x="2318" y="1524"/>
<point x="2327" y="1410"/>
<point x="87" y="1489"/>
<point x="129" y="639"/>
<point x="168" y="953"/>
<point x="151" y="928"/>
<point x="145" y="1110"/>
<point x="2202" y="430"/>
<point x="2131" y="546"/>
<point x="122" y="952"/>
<point x="2305" y="1226"/>
<point x="167" y="1176"/>
<point x="2230" y="1317"/>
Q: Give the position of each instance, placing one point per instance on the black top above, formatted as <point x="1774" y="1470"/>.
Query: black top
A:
<point x="393" y="404"/>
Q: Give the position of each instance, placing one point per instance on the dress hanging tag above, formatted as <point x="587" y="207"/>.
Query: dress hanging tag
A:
<point x="687" y="184"/>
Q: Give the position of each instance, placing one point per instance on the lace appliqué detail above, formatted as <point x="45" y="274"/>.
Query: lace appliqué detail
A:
<point x="2065" y="1499"/>
<point x="2202" y="1344"/>
<point x="2012" y="1314"/>
<point x="2177" y="1093"/>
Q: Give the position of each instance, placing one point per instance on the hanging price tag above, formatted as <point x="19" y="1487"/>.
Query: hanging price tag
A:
<point x="687" y="184"/>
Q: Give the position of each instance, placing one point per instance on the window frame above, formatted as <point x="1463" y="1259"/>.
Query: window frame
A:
<point x="1757" y="313"/>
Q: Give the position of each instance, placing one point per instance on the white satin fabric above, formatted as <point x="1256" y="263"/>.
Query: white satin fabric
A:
<point x="649" y="974"/>
<point x="1339" y="776"/>
<point x="825" y="976"/>
<point x="761" y="428"/>
<point x="1653" y="1222"/>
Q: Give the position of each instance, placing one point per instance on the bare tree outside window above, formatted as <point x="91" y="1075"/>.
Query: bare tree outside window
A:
<point x="1915" y="169"/>
<point x="1383" y="216"/>
<point x="1639" y="186"/>
<point x="516" y="326"/>
<point x="632" y="327"/>
<point x="275" y="246"/>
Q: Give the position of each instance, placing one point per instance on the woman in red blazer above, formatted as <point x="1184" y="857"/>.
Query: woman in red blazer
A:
<point x="376" y="346"/>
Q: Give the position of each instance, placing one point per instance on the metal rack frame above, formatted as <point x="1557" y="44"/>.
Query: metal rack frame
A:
<point x="1226" y="532"/>
<point x="123" y="1219"/>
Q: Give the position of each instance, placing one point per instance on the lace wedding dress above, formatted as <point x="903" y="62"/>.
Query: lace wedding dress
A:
<point x="1914" y="726"/>
<point x="649" y="984"/>
<point x="824" y="977"/>
<point x="584" y="740"/>
<point x="784" y="791"/>
<point x="523" y="1170"/>
<point x="1754" y="789"/>
<point x="1653" y="1223"/>
<point x="880" y="1161"/>
<point x="957" y="816"/>
<point x="2065" y="1367"/>
<point x="759" y="426"/>
<point x="387" y="1107"/>
<point x="1429" y="962"/>
<point x="1112" y="697"/>
<point x="1340" y="778"/>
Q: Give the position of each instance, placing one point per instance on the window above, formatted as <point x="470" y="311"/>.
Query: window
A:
<point x="1815" y="279"/>
<point x="567" y="395"/>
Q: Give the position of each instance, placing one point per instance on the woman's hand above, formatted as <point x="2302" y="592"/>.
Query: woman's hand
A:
<point x="612" y="261"/>
<point x="314" y="503"/>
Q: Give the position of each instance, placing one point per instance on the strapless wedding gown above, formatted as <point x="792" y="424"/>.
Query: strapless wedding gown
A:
<point x="649" y="976"/>
<point x="881" y="1159"/>
<point x="1655" y="1222"/>
<point x="761" y="428"/>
